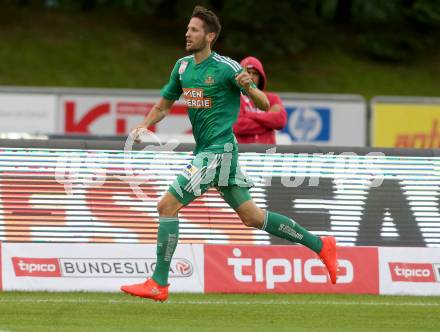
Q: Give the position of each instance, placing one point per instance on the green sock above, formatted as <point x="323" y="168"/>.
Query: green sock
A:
<point x="167" y="237"/>
<point x="285" y="228"/>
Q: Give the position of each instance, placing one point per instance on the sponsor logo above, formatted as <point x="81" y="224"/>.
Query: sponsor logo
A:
<point x="279" y="270"/>
<point x="194" y="98"/>
<point x="36" y="267"/>
<point x="96" y="267"/>
<point x="288" y="269"/>
<point x="412" y="272"/>
<point x="105" y="116"/>
<point x="184" y="268"/>
<point x="155" y="291"/>
<point x="424" y="139"/>
<point x="84" y="123"/>
<point x="406" y="125"/>
<point x="182" y="67"/>
<point x="189" y="171"/>
<point x="308" y="124"/>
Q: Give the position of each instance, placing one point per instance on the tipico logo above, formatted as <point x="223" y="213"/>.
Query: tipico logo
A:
<point x="273" y="271"/>
<point x="36" y="267"/>
<point x="413" y="272"/>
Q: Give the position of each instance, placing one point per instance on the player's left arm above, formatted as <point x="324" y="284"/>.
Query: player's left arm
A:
<point x="257" y="96"/>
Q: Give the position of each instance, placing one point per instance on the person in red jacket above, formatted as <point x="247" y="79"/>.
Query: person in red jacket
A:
<point x="254" y="125"/>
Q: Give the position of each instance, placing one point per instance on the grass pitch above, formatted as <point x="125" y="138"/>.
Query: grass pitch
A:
<point x="20" y="311"/>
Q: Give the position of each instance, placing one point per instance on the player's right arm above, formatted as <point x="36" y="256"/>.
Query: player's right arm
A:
<point x="157" y="113"/>
<point x="170" y="93"/>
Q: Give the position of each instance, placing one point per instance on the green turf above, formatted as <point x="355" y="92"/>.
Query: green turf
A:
<point x="121" y="50"/>
<point x="20" y="311"/>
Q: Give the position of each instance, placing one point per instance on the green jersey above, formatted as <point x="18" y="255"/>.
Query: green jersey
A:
<point x="212" y="95"/>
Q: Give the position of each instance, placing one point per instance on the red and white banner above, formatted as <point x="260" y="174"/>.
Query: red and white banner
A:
<point x="219" y="268"/>
<point x="281" y="269"/>
<point x="95" y="267"/>
<point x="105" y="115"/>
<point x="414" y="271"/>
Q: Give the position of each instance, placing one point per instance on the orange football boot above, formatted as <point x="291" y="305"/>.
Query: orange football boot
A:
<point x="329" y="257"/>
<point x="148" y="289"/>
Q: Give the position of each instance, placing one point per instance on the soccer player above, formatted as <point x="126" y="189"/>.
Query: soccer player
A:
<point x="211" y="86"/>
<point x="254" y="125"/>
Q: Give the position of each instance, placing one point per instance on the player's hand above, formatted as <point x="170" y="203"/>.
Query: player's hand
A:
<point x="137" y="131"/>
<point x="244" y="79"/>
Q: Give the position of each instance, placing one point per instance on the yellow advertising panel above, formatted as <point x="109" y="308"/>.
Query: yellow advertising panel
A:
<point x="406" y="125"/>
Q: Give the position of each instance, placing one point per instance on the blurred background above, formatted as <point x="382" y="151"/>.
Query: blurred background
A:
<point x="360" y="48"/>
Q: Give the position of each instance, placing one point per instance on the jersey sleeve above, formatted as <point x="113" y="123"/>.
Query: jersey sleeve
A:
<point x="231" y="73"/>
<point x="173" y="89"/>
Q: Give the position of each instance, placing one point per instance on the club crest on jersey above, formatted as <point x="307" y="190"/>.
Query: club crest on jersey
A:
<point x="209" y="80"/>
<point x="183" y="66"/>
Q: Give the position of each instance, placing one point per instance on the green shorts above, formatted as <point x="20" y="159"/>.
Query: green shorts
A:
<point x="219" y="170"/>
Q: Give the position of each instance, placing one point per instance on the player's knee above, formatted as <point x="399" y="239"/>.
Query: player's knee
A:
<point x="251" y="215"/>
<point x="251" y="221"/>
<point x="165" y="209"/>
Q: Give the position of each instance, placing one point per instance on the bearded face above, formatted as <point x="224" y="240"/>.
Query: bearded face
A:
<point x="196" y="37"/>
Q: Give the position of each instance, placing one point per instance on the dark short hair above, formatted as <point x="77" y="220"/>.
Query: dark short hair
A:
<point x="210" y="20"/>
